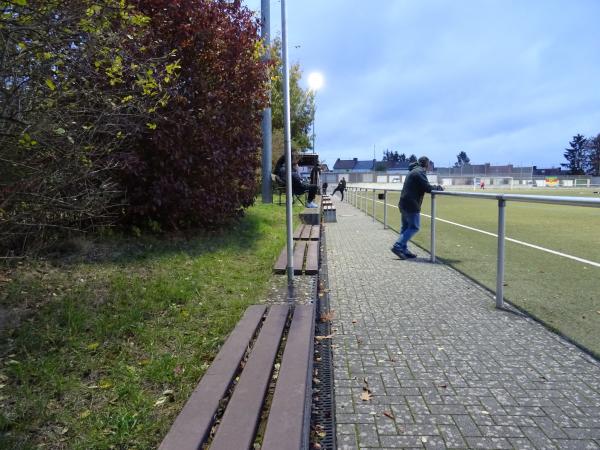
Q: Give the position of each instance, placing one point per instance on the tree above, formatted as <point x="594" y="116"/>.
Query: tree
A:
<point x="576" y="155"/>
<point x="302" y="106"/>
<point x="412" y="158"/>
<point x="199" y="166"/>
<point x="462" y="160"/>
<point x="593" y="150"/>
<point x="75" y="91"/>
<point x="401" y="157"/>
<point x="390" y="156"/>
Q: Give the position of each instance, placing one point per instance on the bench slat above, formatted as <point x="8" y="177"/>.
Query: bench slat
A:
<point x="192" y="426"/>
<point x="312" y="258"/>
<point x="241" y="417"/>
<point x="315" y="233"/>
<point x="306" y="232"/>
<point x="299" y="231"/>
<point x="281" y="263"/>
<point x="299" y="251"/>
<point x="286" y="426"/>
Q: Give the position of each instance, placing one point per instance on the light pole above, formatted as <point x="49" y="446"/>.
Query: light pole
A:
<point x="315" y="82"/>
<point x="265" y="33"/>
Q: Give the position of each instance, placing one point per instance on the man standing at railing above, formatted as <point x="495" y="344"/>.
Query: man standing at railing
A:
<point x="411" y="199"/>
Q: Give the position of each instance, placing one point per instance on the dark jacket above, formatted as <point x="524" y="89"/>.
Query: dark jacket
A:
<point x="298" y="187"/>
<point x="413" y="191"/>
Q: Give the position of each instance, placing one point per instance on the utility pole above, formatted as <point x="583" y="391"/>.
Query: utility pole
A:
<point x="287" y="145"/>
<point x="265" y="34"/>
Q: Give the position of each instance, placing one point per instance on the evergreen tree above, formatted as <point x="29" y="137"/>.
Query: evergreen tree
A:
<point x="412" y="158"/>
<point x="576" y="155"/>
<point x="593" y="149"/>
<point x="462" y="160"/>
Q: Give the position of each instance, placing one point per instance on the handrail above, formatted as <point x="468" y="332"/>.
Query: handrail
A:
<point x="500" y="198"/>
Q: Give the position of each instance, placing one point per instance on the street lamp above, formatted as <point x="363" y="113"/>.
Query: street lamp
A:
<point x="315" y="82"/>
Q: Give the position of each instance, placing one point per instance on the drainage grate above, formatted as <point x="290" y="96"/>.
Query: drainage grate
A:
<point x="323" y="405"/>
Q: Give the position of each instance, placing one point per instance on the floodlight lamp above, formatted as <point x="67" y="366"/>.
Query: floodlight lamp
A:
<point x="315" y="81"/>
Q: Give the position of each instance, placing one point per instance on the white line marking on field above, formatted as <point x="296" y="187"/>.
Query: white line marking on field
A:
<point x="526" y="244"/>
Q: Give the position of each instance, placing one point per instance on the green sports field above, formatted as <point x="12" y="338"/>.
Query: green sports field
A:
<point x="562" y="292"/>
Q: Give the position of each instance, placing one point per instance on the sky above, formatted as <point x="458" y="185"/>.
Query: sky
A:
<point x="505" y="81"/>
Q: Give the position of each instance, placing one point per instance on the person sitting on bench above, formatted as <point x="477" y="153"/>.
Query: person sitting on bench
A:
<point x="299" y="188"/>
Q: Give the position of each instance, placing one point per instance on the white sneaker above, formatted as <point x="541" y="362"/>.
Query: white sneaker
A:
<point x="312" y="205"/>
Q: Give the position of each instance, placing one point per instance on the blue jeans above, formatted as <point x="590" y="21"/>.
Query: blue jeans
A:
<point x="411" y="222"/>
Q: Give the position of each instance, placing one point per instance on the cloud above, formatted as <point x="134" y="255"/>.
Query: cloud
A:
<point x="503" y="80"/>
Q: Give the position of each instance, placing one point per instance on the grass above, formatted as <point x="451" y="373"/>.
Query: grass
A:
<point x="105" y="353"/>
<point x="563" y="293"/>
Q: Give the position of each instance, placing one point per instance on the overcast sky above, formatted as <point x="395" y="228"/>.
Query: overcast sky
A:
<point x="505" y="81"/>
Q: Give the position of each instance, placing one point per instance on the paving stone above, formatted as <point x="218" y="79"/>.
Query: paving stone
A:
<point x="401" y="441"/>
<point x="579" y="444"/>
<point x="537" y="437"/>
<point x="346" y="442"/>
<point x="452" y="436"/>
<point x="583" y="433"/>
<point x="367" y="435"/>
<point x="501" y="431"/>
<point x="488" y="443"/>
<point x="466" y="425"/>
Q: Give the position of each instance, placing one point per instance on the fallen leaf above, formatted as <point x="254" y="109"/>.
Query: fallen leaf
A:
<point x="166" y="395"/>
<point x="327" y="316"/>
<point x="320" y="338"/>
<point x="93" y="346"/>
<point x="389" y="414"/>
<point x="105" y="384"/>
<point x="366" y="396"/>
<point x="84" y="414"/>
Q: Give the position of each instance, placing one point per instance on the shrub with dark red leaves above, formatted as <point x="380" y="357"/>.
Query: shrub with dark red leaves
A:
<point x="200" y="165"/>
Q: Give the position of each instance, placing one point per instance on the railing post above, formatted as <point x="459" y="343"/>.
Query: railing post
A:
<point x="384" y="209"/>
<point x="432" y="228"/>
<point x="373" y="205"/>
<point x="500" y="262"/>
<point x="362" y="200"/>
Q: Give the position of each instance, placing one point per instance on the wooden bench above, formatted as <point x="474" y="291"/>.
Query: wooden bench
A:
<point x="329" y="213"/>
<point x="305" y="258"/>
<point x="308" y="233"/>
<point x="312" y="216"/>
<point x="237" y="383"/>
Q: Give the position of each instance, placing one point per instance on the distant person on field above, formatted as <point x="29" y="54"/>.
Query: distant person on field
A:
<point x="324" y="188"/>
<point x="482" y="184"/>
<point x="411" y="198"/>
<point x="341" y="187"/>
<point x="299" y="188"/>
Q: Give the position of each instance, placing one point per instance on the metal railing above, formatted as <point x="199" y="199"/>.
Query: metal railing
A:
<point x="355" y="197"/>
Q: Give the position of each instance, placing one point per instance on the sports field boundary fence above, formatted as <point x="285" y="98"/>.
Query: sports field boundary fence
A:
<point x="359" y="198"/>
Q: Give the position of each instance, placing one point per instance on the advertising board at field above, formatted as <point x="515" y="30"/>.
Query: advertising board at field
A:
<point x="552" y="181"/>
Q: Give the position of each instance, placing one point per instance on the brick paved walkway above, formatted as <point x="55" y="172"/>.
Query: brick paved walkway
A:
<point x="444" y="367"/>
